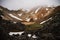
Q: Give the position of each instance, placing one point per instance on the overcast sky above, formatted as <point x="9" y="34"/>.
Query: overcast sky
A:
<point x="27" y="4"/>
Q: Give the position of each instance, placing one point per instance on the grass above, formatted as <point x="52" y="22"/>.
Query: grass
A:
<point x="34" y="26"/>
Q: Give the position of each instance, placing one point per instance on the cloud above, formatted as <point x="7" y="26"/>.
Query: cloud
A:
<point x="27" y="4"/>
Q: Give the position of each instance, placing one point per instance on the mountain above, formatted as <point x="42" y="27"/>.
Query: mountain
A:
<point x="35" y="15"/>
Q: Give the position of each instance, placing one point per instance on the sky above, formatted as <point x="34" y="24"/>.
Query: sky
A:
<point x="27" y="4"/>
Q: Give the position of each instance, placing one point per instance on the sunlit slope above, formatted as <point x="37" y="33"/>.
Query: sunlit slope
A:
<point x="35" y="15"/>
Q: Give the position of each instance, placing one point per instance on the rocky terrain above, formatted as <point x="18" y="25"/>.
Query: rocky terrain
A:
<point x="45" y="27"/>
<point x="35" y="15"/>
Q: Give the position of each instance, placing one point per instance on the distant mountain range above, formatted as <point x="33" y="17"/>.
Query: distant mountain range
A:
<point x="35" y="15"/>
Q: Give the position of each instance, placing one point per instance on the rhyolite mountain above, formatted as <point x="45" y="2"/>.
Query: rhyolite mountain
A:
<point x="35" y="15"/>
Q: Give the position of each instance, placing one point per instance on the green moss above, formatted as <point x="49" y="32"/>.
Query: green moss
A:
<point x="34" y="26"/>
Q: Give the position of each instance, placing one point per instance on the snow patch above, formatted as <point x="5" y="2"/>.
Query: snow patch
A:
<point x="20" y="14"/>
<point x="34" y="36"/>
<point x="29" y="35"/>
<point x="15" y="33"/>
<point x="37" y="10"/>
<point x="14" y="17"/>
